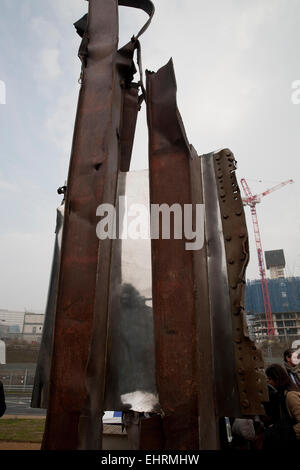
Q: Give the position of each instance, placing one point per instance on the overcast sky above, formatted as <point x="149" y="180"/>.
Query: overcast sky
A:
<point x="235" y="63"/>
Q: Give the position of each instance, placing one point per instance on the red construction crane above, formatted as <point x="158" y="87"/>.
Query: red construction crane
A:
<point x="251" y="200"/>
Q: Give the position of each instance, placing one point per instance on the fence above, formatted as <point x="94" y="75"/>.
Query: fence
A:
<point x="17" y="380"/>
<point x="18" y="388"/>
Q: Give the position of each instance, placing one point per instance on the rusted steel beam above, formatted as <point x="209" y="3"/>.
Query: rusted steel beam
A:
<point x="128" y="125"/>
<point x="207" y="417"/>
<point x="172" y="266"/>
<point x="40" y="393"/>
<point x="249" y="364"/>
<point x="222" y="353"/>
<point x="108" y="278"/>
<point x="92" y="180"/>
<point x="87" y="174"/>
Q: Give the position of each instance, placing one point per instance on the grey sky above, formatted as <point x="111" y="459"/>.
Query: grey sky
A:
<point x="235" y="62"/>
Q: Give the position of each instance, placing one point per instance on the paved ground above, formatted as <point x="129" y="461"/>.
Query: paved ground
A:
<point x="19" y="404"/>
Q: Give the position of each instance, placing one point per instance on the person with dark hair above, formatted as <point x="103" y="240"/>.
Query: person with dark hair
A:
<point x="291" y="364"/>
<point x="285" y="432"/>
<point x="2" y="400"/>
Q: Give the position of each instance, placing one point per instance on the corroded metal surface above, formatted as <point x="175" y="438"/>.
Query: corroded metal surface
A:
<point x="220" y="314"/>
<point x="92" y="180"/>
<point x="248" y="359"/>
<point x="172" y="265"/>
<point x="200" y="365"/>
<point x="40" y="393"/>
<point x="208" y="427"/>
<point x="76" y="288"/>
<point x="128" y="124"/>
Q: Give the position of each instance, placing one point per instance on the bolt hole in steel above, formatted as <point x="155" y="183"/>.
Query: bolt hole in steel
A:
<point x="97" y="166"/>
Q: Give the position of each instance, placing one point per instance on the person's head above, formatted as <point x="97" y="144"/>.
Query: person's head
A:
<point x="291" y="357"/>
<point x="279" y="379"/>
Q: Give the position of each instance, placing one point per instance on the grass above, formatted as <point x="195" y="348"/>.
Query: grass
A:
<point x="22" y="430"/>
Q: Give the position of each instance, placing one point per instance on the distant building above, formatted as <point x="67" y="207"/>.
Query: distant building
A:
<point x="12" y="318"/>
<point x="286" y="326"/>
<point x="284" y="295"/>
<point x="285" y="306"/>
<point x="33" y="327"/>
<point x="275" y="263"/>
<point x="3" y="330"/>
<point x="8" y="331"/>
<point x="2" y="352"/>
<point x="26" y="326"/>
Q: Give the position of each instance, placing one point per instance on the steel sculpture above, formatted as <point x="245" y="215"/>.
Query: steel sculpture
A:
<point x="194" y="358"/>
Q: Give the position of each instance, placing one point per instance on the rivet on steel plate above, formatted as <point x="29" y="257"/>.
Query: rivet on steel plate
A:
<point x="231" y="261"/>
<point x="228" y="238"/>
<point x="238" y="213"/>
<point x="225" y="216"/>
<point x="245" y="404"/>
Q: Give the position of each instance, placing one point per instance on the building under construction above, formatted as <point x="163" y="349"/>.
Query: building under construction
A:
<point x="285" y="307"/>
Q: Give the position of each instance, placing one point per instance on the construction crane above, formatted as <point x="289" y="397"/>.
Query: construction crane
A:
<point x="251" y="201"/>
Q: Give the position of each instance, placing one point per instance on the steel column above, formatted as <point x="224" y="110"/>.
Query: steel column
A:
<point x="172" y="267"/>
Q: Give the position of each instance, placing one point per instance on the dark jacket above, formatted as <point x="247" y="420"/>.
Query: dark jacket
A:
<point x="293" y="372"/>
<point x="281" y="435"/>
<point x="2" y="400"/>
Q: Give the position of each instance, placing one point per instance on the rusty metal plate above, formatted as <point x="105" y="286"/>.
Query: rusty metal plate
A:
<point x="107" y="290"/>
<point x="220" y="313"/>
<point x="172" y="267"/>
<point x="249" y="364"/>
<point x="208" y="426"/>
<point x="92" y="180"/>
<point x="40" y="393"/>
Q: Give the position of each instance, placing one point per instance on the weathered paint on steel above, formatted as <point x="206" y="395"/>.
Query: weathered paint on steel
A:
<point x="249" y="365"/>
<point x="94" y="166"/>
<point x="172" y="267"/>
<point x="40" y="392"/>
<point x="223" y="353"/>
